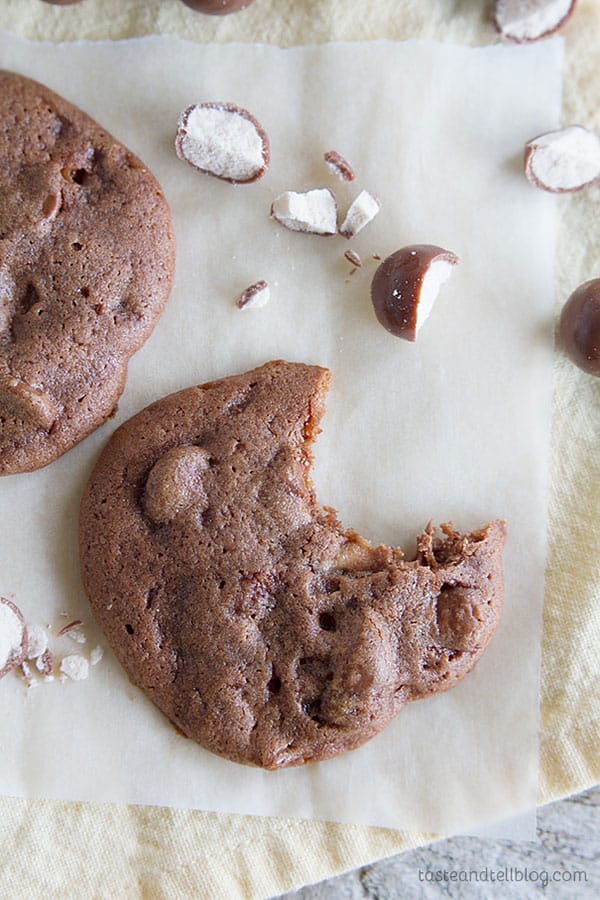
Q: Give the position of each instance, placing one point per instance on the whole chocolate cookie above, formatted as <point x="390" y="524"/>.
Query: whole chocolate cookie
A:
<point x="254" y="621"/>
<point x="86" y="265"/>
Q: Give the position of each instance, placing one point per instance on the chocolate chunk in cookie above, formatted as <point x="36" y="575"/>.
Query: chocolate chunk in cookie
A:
<point x="86" y="265"/>
<point x="262" y="628"/>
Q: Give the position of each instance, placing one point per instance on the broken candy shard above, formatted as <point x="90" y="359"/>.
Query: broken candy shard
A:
<point x="362" y="211"/>
<point x="564" y="160"/>
<point x="314" y="212"/>
<point x="255" y="296"/>
<point x="336" y="163"/>
<point x="13" y="637"/>
<point x="37" y="641"/>
<point x="223" y="140"/>
<point x="353" y="258"/>
<point x="75" y="667"/>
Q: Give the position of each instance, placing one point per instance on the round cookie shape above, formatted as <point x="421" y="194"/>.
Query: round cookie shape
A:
<point x="260" y="626"/>
<point x="86" y="264"/>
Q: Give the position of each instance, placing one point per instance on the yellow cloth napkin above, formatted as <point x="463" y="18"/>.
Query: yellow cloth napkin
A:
<point x="102" y="850"/>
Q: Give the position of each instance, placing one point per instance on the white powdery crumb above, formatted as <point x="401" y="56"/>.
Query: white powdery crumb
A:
<point x="529" y="20"/>
<point x="25" y="672"/>
<point x="255" y="296"/>
<point x="96" y="655"/>
<point x="11" y="635"/>
<point x="37" y="641"/>
<point x="77" y="634"/>
<point x="314" y="212"/>
<point x="75" y="667"/>
<point x="222" y="142"/>
<point x="563" y="160"/>
<point x="362" y="211"/>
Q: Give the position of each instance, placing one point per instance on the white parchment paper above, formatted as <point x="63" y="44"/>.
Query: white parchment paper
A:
<point x="453" y="427"/>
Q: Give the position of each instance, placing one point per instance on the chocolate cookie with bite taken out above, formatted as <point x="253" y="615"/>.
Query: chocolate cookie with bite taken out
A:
<point x="262" y="628"/>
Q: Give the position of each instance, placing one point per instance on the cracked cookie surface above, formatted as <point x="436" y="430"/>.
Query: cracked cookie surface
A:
<point x="86" y="265"/>
<point x="260" y="626"/>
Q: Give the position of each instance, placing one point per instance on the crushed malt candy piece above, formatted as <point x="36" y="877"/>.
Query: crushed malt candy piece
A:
<point x="255" y="296"/>
<point x="353" y="258"/>
<point x="75" y="667"/>
<point x="362" y="211"/>
<point x="13" y="637"/>
<point x="314" y="212"/>
<point x="338" y="165"/>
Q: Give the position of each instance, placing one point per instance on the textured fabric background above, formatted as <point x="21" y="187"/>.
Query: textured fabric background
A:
<point x="82" y="850"/>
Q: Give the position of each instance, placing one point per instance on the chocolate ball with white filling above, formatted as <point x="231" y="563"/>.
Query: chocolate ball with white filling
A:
<point x="406" y="284"/>
<point x="580" y="327"/>
<point x="217" y="7"/>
